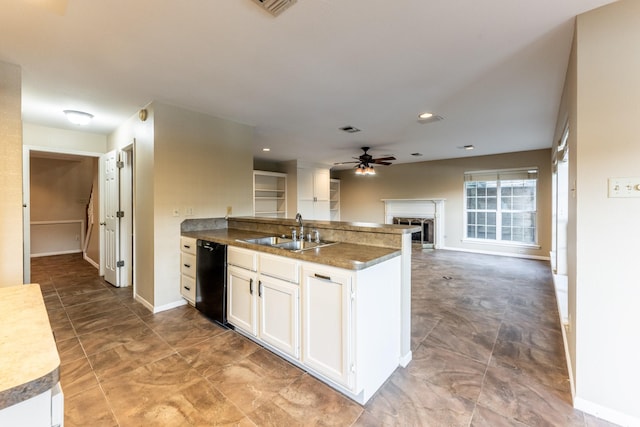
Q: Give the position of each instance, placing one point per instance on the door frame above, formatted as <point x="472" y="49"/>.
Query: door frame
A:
<point x="26" y="199"/>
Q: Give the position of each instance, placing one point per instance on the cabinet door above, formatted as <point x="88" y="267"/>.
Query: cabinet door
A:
<point x="241" y="301"/>
<point x="305" y="184"/>
<point x="279" y="314"/>
<point x="327" y="341"/>
<point x="321" y="184"/>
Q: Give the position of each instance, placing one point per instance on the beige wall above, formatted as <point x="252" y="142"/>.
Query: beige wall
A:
<point x="59" y="191"/>
<point x="604" y="236"/>
<point x="184" y="160"/>
<point x="360" y="196"/>
<point x="63" y="140"/>
<point x="11" y="255"/>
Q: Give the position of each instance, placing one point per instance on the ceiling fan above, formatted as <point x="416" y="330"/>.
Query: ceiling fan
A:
<point x="365" y="161"/>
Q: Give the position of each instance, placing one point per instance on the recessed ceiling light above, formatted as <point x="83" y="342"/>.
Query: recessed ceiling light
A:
<point x="468" y="147"/>
<point x="78" y="117"/>
<point x="416" y="154"/>
<point x="349" y="129"/>
<point x="266" y="149"/>
<point x="426" y="117"/>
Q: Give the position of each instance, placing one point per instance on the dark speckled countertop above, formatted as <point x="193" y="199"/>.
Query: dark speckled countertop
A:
<point x="344" y="255"/>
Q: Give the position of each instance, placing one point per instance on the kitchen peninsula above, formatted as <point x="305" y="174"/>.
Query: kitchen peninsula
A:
<point x="30" y="392"/>
<point x="340" y="311"/>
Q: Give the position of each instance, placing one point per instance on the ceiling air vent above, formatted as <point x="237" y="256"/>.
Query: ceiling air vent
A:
<point x="275" y="7"/>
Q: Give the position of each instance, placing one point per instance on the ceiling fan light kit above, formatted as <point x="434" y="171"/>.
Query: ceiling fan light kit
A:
<point x="365" y="161"/>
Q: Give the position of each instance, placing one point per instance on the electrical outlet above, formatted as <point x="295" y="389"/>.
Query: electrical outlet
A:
<point x="188" y="211"/>
<point x="624" y="187"/>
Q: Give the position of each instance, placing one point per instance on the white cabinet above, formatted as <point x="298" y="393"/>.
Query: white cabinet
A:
<point x="279" y="314"/>
<point x="264" y="298"/>
<point x="342" y="326"/>
<point x="310" y="186"/>
<point x="327" y="338"/>
<point x="269" y="194"/>
<point x="334" y="200"/>
<point x="241" y="302"/>
<point x="351" y="325"/>
<point x="313" y="193"/>
<point x="242" y="282"/>
<point x="188" y="269"/>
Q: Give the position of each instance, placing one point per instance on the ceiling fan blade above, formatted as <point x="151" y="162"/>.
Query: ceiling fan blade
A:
<point x="383" y="163"/>
<point x="384" y="158"/>
<point x="58" y="7"/>
<point x="343" y="163"/>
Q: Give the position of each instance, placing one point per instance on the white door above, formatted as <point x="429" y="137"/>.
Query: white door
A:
<point x="326" y="324"/>
<point x="111" y="222"/>
<point x="241" y="302"/>
<point x="280" y="314"/>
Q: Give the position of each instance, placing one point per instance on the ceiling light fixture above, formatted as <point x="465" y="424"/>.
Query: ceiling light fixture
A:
<point x="468" y="147"/>
<point x="364" y="169"/>
<point x="266" y="149"/>
<point x="78" y="117"/>
<point x="426" y="117"/>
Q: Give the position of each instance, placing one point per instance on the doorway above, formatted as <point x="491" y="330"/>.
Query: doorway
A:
<point x="82" y="231"/>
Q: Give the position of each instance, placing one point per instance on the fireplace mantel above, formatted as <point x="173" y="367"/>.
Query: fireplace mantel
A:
<point x="418" y="208"/>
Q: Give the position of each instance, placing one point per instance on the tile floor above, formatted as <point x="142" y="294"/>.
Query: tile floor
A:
<point x="487" y="351"/>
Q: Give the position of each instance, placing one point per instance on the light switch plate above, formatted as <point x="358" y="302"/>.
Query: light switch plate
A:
<point x="624" y="187"/>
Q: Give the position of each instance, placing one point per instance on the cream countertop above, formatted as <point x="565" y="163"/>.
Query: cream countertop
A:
<point x="29" y="360"/>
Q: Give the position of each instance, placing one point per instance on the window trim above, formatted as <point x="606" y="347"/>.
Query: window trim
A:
<point x="488" y="174"/>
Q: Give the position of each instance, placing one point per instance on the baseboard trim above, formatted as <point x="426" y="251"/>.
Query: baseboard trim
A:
<point x="605" y="413"/>
<point x="90" y="261"/>
<point x="73" y="251"/>
<point x="406" y="359"/>
<point x="169" y="306"/>
<point x="507" y="254"/>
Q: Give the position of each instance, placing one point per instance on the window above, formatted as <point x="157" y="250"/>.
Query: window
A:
<point x="501" y="205"/>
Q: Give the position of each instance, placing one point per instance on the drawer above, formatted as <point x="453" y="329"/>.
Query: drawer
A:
<point x="188" y="264"/>
<point x="188" y="288"/>
<point x="188" y="245"/>
<point x="241" y="257"/>
<point x="280" y="267"/>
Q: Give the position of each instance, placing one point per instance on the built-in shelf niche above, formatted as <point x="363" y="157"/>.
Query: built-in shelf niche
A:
<point x="269" y="194"/>
<point x="334" y="199"/>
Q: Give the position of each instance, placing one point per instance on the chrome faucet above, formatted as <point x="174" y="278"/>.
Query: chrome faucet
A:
<point x="299" y="219"/>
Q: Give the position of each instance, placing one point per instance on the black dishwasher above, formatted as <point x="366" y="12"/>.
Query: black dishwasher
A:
<point x="211" y="281"/>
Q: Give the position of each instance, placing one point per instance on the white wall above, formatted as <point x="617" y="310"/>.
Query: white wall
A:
<point x="604" y="236"/>
<point x="184" y="161"/>
<point x="54" y="139"/>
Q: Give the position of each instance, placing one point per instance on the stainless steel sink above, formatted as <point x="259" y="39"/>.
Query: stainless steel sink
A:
<point x="269" y="241"/>
<point x="302" y="245"/>
<point x="288" y="244"/>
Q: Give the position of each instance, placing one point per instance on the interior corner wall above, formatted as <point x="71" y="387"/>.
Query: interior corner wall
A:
<point x="203" y="165"/>
<point x="606" y="229"/>
<point x="360" y="196"/>
<point x="11" y="230"/>
<point x="143" y="189"/>
<point x="568" y="114"/>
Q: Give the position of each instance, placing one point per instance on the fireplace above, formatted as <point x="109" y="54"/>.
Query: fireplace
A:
<point x="425" y="235"/>
<point x="427" y="213"/>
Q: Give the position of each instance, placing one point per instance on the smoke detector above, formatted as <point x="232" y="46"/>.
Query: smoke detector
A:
<point x="275" y="7"/>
